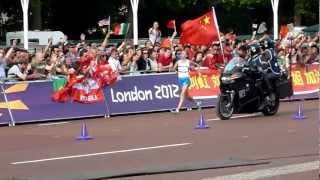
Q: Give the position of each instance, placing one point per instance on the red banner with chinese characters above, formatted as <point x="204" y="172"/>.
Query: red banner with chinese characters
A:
<point x="205" y="83"/>
<point x="305" y="79"/>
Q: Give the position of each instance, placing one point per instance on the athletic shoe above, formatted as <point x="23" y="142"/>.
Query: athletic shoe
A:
<point x="175" y="111"/>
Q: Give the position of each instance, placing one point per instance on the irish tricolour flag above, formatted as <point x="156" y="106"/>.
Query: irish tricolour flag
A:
<point x="121" y="29"/>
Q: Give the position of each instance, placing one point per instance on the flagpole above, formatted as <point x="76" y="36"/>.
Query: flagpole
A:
<point x="109" y="28"/>
<point x="217" y="27"/>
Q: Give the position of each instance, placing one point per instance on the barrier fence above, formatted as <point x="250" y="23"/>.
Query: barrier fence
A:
<point x="22" y="102"/>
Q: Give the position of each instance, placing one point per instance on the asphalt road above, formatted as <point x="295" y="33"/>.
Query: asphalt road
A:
<point x="281" y="148"/>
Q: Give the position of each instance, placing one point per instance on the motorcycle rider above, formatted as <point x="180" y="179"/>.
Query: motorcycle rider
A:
<point x="258" y="68"/>
<point x="270" y="66"/>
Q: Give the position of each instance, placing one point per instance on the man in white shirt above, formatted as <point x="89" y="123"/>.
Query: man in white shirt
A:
<point x="19" y="71"/>
<point x="3" y="61"/>
<point x="114" y="61"/>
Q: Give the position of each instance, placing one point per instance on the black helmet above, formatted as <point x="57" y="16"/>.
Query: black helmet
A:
<point x="266" y="44"/>
<point x="255" y="49"/>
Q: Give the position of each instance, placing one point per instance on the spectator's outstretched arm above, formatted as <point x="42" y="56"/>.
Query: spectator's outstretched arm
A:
<point x="299" y="44"/>
<point x="105" y="41"/>
<point x="9" y="52"/>
<point x="150" y="31"/>
<point x="253" y="37"/>
<point x="47" y="47"/>
<point x="174" y="34"/>
<point x="121" y="47"/>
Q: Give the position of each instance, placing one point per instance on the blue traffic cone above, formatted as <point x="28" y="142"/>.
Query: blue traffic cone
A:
<point x="84" y="135"/>
<point x="299" y="115"/>
<point x="201" y="123"/>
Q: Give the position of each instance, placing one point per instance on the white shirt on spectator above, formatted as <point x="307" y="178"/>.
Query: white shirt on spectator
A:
<point x="115" y="64"/>
<point x="3" y="65"/>
<point x="14" y="72"/>
<point x="154" y="65"/>
<point x="154" y="36"/>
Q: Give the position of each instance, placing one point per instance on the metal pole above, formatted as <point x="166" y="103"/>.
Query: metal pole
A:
<point x="11" y="123"/>
<point x="134" y="6"/>
<point x="275" y="7"/>
<point x="25" y="7"/>
<point x="107" y="112"/>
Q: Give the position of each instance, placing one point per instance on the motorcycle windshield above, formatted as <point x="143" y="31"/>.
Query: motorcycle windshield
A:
<point x="232" y="66"/>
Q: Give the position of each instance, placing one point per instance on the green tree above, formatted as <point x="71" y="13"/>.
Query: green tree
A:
<point x="36" y="8"/>
<point x="304" y="11"/>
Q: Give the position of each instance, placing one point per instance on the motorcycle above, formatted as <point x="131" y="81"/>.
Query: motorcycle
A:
<point x="242" y="90"/>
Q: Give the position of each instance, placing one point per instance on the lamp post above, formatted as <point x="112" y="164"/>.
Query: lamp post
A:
<point x="134" y="6"/>
<point x="25" y="8"/>
<point x="275" y="7"/>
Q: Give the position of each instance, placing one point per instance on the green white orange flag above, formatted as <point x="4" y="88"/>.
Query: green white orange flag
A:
<point x="121" y="29"/>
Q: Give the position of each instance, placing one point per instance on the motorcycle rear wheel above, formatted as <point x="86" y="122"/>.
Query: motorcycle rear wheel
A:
<point x="272" y="109"/>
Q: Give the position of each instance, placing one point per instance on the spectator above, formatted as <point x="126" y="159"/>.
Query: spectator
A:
<point x="231" y="36"/>
<point x="313" y="55"/>
<point x="213" y="58"/>
<point x="199" y="57"/>
<point x="165" y="60"/>
<point x="144" y="62"/>
<point x="3" y="61"/>
<point x="153" y="56"/>
<point x="114" y="61"/>
<point x="155" y="33"/>
<point x="19" y="71"/>
<point x="132" y="64"/>
<point x="38" y="64"/>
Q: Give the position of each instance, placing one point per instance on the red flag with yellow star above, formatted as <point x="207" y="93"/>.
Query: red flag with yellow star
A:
<point x="200" y="31"/>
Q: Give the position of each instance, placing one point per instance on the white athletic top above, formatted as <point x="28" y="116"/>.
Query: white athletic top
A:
<point x="183" y="68"/>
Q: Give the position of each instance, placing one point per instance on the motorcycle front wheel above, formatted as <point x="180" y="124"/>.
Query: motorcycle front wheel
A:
<point x="224" y="107"/>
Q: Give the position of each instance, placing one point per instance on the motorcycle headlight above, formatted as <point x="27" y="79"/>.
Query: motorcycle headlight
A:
<point x="230" y="79"/>
<point x="235" y="76"/>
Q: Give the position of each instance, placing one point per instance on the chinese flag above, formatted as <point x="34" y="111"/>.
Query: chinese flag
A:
<point x="200" y="31"/>
<point x="284" y="31"/>
<point x="171" y="24"/>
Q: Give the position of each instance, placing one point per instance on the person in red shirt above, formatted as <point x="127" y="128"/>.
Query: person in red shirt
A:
<point x="213" y="57"/>
<point x="227" y="52"/>
<point x="231" y="36"/>
<point x="165" y="60"/>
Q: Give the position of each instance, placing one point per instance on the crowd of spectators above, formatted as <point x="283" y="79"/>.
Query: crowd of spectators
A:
<point x="156" y="55"/>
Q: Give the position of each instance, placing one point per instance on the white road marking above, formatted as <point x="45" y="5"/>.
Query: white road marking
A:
<point x="271" y="172"/>
<point x="51" y="124"/>
<point x="235" y="117"/>
<point x="99" y="154"/>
